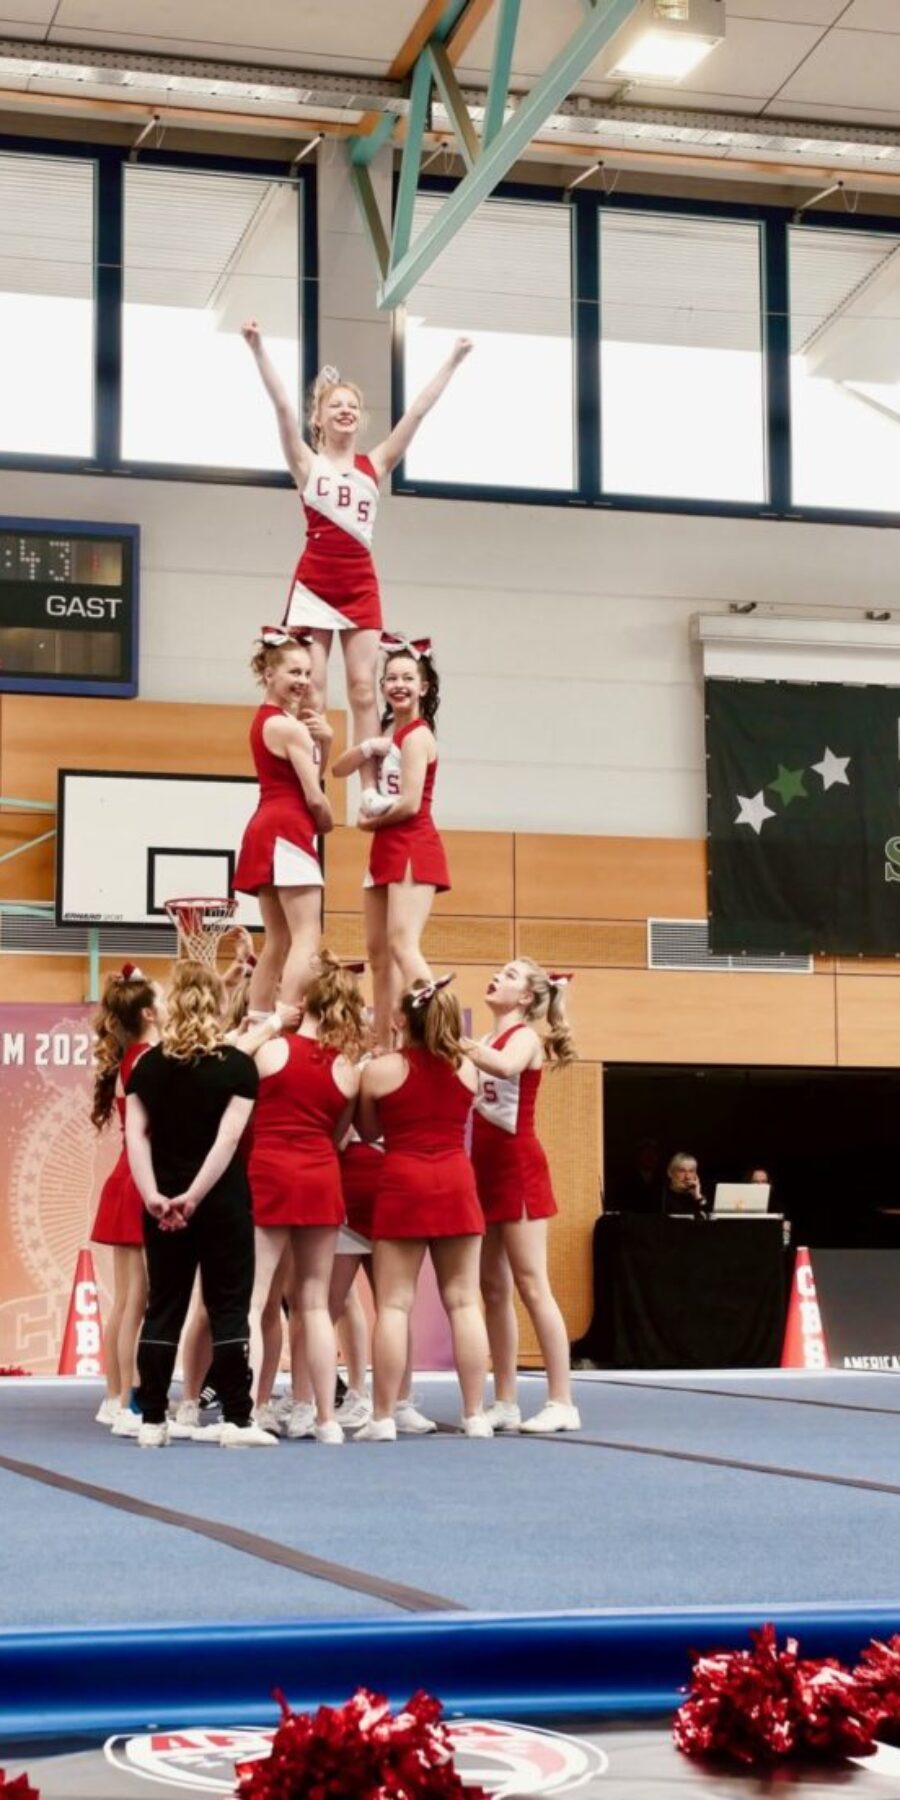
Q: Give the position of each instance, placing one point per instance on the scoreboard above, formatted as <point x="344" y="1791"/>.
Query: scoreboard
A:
<point x="68" y="607"/>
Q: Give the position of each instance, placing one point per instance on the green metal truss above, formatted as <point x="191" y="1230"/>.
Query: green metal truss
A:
<point x="402" y="263"/>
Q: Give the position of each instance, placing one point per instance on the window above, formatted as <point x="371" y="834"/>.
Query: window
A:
<point x="46" y="306"/>
<point x="507" y="419"/>
<point x="845" y="368"/>
<point x="202" y="252"/>
<point x="682" y="394"/>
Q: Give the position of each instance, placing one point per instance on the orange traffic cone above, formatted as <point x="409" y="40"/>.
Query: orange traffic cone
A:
<point x="804" y="1336"/>
<point x="82" y="1345"/>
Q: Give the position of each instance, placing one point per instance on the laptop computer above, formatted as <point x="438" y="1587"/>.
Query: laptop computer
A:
<point x="741" y="1197"/>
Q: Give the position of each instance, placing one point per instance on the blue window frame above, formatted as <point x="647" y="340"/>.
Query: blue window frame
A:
<point x="789" y="492"/>
<point x="110" y="167"/>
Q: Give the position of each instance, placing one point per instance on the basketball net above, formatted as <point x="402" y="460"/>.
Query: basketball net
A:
<point x="200" y="924"/>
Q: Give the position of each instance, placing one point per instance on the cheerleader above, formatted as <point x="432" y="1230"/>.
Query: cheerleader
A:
<point x="278" y="860"/>
<point x="420" y="1099"/>
<point x="407" y="863"/>
<point x="126" y="1025"/>
<point x="514" y="1186"/>
<point x="308" y="1086"/>
<point x="335" y="586"/>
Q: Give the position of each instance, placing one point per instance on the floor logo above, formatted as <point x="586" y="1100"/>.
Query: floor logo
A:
<point x="506" y="1760"/>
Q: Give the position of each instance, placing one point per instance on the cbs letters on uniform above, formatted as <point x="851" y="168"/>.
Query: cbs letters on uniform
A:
<point x="804" y="817"/>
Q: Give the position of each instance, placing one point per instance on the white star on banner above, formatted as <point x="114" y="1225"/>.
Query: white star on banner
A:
<point x="833" y="770"/>
<point x="754" y="812"/>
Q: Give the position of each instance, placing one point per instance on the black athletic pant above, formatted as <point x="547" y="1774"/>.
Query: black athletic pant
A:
<point x="218" y="1241"/>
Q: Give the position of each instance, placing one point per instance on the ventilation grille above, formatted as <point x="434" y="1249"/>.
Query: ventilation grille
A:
<point x="684" y="944"/>
<point x="25" y="935"/>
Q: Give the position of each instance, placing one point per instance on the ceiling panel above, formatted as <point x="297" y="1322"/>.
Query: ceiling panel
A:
<point x="838" y="115"/>
<point x="754" y="60"/>
<point x="846" y="71"/>
<point x="789" y="12"/>
<point x="543" y="30"/>
<point x="321" y="33"/>
<point x="872" y="15"/>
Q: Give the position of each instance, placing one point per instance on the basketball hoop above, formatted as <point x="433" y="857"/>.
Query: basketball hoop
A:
<point x="200" y="923"/>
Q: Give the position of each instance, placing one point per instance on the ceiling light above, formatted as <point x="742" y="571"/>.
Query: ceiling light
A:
<point x="665" y="40"/>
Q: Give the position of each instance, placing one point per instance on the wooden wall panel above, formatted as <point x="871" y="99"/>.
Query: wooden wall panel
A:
<point x="31" y="874"/>
<point x="659" y="1017"/>
<point x="868" y="1021"/>
<point x="33" y="978"/>
<point x="610" y="878"/>
<point x="481" y="869"/>
<point x="568" y="1121"/>
<point x="867" y="965"/>
<point x="561" y="944"/>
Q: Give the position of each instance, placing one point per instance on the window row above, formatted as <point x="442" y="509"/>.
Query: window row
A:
<point x="673" y="311"/>
<point x="195" y="253"/>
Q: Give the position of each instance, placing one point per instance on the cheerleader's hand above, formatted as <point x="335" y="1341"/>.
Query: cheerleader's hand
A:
<point x="317" y="725"/>
<point x="364" y="823"/>
<point x="377" y="747"/>
<point x="461" y="349"/>
<point x="252" y="335"/>
<point x="290" y="1016"/>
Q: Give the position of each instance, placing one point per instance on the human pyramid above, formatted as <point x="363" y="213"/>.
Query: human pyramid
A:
<point x="277" y="1141"/>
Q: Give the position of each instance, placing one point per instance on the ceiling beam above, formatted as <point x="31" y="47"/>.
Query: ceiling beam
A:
<point x="436" y="20"/>
<point x="471" y="21"/>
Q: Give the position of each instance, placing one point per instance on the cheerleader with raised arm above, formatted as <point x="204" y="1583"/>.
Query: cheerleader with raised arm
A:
<point x="335" y="585"/>
<point x="407" y="862"/>
<point x="419" y="1100"/>
<point x="514" y="1186"/>
<point x="126" y="1025"/>
<point x="278" y="860"/>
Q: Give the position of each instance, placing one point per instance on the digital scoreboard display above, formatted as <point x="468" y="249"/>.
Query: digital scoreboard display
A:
<point x="68" y="607"/>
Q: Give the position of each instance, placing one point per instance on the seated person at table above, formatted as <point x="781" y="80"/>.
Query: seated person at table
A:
<point x="683" y="1192"/>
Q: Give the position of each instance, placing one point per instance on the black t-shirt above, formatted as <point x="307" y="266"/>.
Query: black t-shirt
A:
<point x="185" y="1102"/>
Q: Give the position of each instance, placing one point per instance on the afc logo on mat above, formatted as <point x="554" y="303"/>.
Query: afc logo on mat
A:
<point x="506" y="1760"/>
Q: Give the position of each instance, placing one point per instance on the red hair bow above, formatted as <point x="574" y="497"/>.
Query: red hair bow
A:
<point x="131" y="972"/>
<point x="275" y="635"/>
<point x="354" y="968"/>
<point x="422" y="995"/>
<point x="559" y="978"/>
<point x="392" y="641"/>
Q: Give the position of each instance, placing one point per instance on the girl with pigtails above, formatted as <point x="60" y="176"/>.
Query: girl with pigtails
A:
<point x="407" y="862"/>
<point x="335" y="585"/>
<point x="419" y="1099"/>
<point x="125" y="1026"/>
<point x="514" y="1186"/>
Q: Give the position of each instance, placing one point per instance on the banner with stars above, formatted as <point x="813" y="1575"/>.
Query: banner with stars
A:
<point x="803" y="818"/>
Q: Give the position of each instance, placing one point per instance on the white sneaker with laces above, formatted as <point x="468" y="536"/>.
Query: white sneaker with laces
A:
<point x="152" y="1437"/>
<point x="372" y="804"/>
<point x="246" y="1437"/>
<point x="354" y="1410"/>
<point x="554" y="1415"/>
<point x="186" y="1420"/>
<point x="208" y="1434"/>
<point x="108" y="1410"/>
<point x="126" y="1423"/>
<point x="302" y="1421"/>
<point x="266" y="1417"/>
<point x="410" y="1421"/>
<point x="329" y="1432"/>
<point x="283" y="1406"/>
<point x="376" y="1431"/>
<point x="477" y="1425"/>
<point x="504" y="1415"/>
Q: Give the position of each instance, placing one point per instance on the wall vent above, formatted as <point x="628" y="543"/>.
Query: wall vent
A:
<point x="26" y="934"/>
<point x="684" y="944"/>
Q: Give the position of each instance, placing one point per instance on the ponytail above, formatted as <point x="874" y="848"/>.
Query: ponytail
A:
<point x="547" y="1000"/>
<point x="118" y="1024"/>
<point x="334" y="1000"/>
<point x="433" y="1020"/>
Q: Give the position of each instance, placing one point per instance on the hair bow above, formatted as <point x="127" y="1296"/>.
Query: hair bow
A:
<point x="274" y="635"/>
<point x="248" y="963"/>
<point x="328" y="372"/>
<point x="393" y="641"/>
<point x="131" y="972"/>
<point x="558" y="978"/>
<point x="422" y="995"/>
<point x="354" y="968"/>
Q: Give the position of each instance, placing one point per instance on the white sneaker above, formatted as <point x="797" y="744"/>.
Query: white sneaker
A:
<point x="283" y="1406"/>
<point x="302" y="1421"/>
<point x="208" y="1434"/>
<point x="108" y="1409"/>
<point x="152" y="1437"/>
<point x="329" y="1432"/>
<point x="246" y="1437"/>
<point x="355" y="1409"/>
<point x="372" y="804"/>
<point x="478" y="1425"/>
<point x="504" y="1415"/>
<point x="186" y="1420"/>
<point x="267" y="1418"/>
<point x="410" y="1421"/>
<point x="554" y="1415"/>
<point x="376" y="1431"/>
<point x="126" y="1423"/>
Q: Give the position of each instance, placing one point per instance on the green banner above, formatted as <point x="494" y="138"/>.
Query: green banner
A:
<point x="803" y="818"/>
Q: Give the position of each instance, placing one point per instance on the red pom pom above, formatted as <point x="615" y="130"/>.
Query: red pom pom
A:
<point x="763" y="1704"/>
<point x="360" y="1751"/>
<point x="878" y="1673"/>
<point x="18" y="1789"/>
